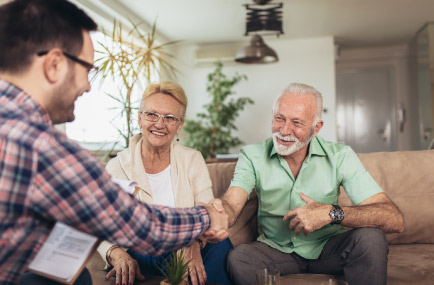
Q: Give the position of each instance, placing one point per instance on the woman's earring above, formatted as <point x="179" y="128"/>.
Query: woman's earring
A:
<point x="177" y="138"/>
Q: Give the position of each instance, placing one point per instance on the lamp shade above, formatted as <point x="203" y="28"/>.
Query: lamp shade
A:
<point x="256" y="52"/>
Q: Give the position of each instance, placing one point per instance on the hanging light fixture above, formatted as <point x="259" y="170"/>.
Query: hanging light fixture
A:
<point x="261" y="17"/>
<point x="256" y="52"/>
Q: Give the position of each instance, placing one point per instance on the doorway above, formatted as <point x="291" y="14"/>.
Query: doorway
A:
<point x="365" y="108"/>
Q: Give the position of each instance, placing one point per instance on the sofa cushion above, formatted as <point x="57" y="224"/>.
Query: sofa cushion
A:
<point x="221" y="175"/>
<point x="410" y="264"/>
<point x="407" y="178"/>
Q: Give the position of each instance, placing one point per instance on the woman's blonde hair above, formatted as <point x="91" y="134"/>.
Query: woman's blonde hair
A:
<point x="169" y="88"/>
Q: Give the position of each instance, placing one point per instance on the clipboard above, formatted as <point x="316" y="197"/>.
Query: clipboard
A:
<point x="64" y="255"/>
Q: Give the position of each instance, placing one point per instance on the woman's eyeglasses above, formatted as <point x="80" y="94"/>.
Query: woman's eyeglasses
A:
<point x="170" y="120"/>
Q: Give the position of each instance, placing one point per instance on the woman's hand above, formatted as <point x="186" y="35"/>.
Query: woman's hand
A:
<point x="196" y="270"/>
<point x="125" y="267"/>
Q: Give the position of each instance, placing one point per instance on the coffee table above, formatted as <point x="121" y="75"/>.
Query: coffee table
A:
<point x="155" y="280"/>
<point x="307" y="279"/>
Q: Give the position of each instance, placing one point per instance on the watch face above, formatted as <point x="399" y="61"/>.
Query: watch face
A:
<point x="337" y="214"/>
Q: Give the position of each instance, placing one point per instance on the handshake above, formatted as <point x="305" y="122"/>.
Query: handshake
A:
<point x="218" y="230"/>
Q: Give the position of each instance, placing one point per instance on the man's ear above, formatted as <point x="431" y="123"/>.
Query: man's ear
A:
<point x="318" y="127"/>
<point x="53" y="65"/>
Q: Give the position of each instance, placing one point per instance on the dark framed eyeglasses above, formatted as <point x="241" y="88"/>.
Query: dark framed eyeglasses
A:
<point x="92" y="69"/>
<point x="170" y="120"/>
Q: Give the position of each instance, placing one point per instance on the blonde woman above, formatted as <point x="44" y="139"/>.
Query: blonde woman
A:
<point x="168" y="174"/>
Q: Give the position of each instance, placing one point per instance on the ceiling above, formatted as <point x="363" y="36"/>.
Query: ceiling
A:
<point x="353" y="23"/>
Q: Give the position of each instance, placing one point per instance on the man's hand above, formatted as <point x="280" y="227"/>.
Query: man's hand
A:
<point x="308" y="218"/>
<point x="219" y="225"/>
<point x="211" y="235"/>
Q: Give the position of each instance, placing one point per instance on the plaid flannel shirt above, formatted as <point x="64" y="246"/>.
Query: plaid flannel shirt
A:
<point x="45" y="177"/>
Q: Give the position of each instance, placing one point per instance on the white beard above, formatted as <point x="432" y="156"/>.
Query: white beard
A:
<point x="284" y="150"/>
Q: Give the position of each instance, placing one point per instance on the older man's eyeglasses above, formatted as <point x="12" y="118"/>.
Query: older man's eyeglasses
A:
<point x="92" y="69"/>
<point x="170" y="120"/>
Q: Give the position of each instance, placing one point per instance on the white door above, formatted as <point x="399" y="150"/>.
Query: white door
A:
<point x="425" y="106"/>
<point x="365" y="109"/>
<point x="425" y="45"/>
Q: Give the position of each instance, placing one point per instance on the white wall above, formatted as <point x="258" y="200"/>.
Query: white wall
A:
<point x="310" y="61"/>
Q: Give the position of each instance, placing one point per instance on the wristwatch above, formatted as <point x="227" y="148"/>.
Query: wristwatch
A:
<point x="337" y="215"/>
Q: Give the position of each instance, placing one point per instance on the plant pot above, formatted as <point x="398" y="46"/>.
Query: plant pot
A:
<point x="166" y="282"/>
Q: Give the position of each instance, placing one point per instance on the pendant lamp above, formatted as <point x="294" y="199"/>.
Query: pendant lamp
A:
<point x="256" y="52"/>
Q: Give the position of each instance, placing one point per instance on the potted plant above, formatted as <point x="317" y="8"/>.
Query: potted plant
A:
<point x="174" y="269"/>
<point x="211" y="134"/>
<point x="131" y="59"/>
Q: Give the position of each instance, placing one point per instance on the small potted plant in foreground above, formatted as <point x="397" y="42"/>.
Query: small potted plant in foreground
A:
<point x="175" y="270"/>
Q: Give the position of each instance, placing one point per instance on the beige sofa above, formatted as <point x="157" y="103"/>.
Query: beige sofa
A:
<point x="408" y="179"/>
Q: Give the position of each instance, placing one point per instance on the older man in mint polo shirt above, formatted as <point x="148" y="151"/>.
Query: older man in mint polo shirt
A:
<point x="297" y="176"/>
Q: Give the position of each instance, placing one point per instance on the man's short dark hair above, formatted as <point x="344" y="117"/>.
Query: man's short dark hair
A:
<point x="31" y="26"/>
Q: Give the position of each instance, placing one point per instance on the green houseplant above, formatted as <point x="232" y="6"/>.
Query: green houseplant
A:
<point x="131" y="58"/>
<point x="174" y="269"/>
<point x="212" y="132"/>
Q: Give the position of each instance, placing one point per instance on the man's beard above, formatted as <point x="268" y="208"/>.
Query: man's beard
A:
<point x="64" y="100"/>
<point x="284" y="150"/>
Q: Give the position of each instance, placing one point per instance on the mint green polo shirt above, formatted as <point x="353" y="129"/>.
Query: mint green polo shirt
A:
<point x="326" y="167"/>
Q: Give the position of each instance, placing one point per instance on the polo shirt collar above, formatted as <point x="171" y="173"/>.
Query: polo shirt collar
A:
<point x="270" y="146"/>
<point x="315" y="148"/>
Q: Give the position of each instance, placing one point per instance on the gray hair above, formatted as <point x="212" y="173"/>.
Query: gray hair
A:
<point x="302" y="89"/>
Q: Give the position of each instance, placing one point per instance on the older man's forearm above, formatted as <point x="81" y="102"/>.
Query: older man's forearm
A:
<point x="384" y="216"/>
<point x="230" y="211"/>
<point x="233" y="202"/>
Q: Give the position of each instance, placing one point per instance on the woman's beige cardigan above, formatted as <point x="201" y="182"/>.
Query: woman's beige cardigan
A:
<point x="190" y="177"/>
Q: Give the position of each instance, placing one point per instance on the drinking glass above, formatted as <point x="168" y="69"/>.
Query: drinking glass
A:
<point x="268" y="277"/>
<point x="334" y="282"/>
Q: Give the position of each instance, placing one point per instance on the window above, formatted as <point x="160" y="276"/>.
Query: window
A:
<point x="97" y="115"/>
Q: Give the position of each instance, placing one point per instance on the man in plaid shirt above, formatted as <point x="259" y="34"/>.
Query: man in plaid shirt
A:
<point x="46" y="55"/>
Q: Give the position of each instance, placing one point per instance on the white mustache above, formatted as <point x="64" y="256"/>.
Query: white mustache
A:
<point x="286" y="138"/>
